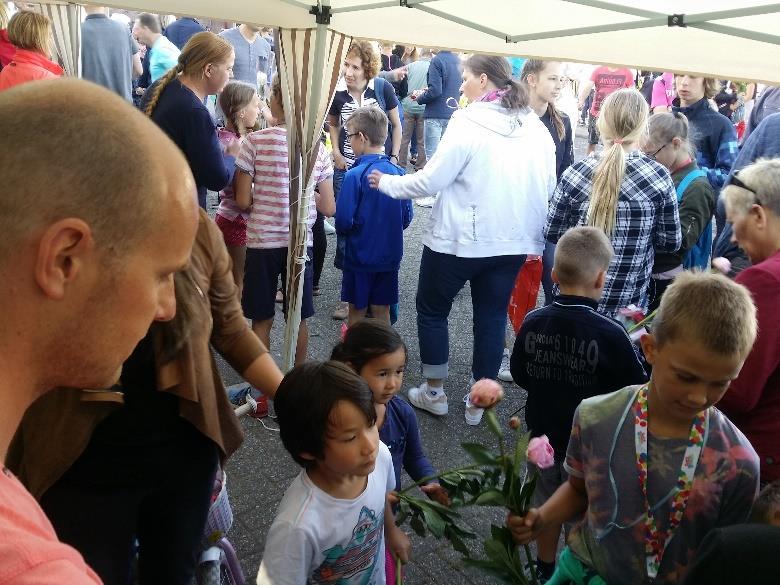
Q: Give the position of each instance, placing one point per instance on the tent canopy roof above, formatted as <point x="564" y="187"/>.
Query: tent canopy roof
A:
<point x="729" y="39"/>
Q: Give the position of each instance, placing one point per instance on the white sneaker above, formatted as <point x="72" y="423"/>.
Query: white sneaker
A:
<point x="425" y="201"/>
<point x="473" y="414"/>
<point x="503" y="372"/>
<point x="422" y="398"/>
<point x="329" y="229"/>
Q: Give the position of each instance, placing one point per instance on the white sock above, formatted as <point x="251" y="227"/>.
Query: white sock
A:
<point x="435" y="391"/>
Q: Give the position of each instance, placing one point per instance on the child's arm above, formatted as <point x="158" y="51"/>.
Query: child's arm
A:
<point x="396" y="540"/>
<point x="325" y="201"/>
<point x="568" y="501"/>
<point x="242" y="180"/>
<point x="288" y="556"/>
<point x="346" y="205"/>
<point x="417" y="464"/>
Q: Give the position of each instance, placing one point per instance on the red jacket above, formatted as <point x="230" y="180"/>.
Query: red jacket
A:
<point x="27" y="66"/>
<point x="7" y="49"/>
<point x="753" y="399"/>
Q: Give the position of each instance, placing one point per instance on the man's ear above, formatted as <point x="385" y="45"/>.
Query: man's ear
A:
<point x="63" y="250"/>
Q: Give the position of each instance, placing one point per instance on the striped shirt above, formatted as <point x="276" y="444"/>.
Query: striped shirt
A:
<point x="263" y="156"/>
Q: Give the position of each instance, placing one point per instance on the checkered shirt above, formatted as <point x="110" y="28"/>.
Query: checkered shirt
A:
<point x="647" y="221"/>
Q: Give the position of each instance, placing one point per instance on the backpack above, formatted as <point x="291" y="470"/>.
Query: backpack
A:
<point x="379" y="92"/>
<point x="698" y="257"/>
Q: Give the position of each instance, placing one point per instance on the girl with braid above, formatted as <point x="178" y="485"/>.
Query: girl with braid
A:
<point x="626" y="193"/>
<point x="175" y="103"/>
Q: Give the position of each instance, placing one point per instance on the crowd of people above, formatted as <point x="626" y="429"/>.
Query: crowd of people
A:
<point x="666" y="451"/>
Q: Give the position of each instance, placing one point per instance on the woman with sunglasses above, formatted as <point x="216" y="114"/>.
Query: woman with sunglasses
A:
<point x="668" y="143"/>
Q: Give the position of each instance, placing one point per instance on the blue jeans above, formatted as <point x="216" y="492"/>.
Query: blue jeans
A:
<point x="548" y="259"/>
<point x="338" y="180"/>
<point x="442" y="276"/>
<point x="434" y="130"/>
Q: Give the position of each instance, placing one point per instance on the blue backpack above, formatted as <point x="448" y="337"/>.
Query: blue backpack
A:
<point x="698" y="257"/>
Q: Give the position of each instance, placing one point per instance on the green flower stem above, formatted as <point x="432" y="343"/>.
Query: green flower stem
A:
<point x="642" y="322"/>
<point x="531" y="564"/>
<point x="428" y="478"/>
<point x="398" y="579"/>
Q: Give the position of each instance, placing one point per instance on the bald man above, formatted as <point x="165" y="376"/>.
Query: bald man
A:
<point x="98" y="211"/>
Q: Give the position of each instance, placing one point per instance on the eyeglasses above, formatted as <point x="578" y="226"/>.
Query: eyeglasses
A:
<point x="353" y="134"/>
<point x="737" y="182"/>
<point x="657" y="151"/>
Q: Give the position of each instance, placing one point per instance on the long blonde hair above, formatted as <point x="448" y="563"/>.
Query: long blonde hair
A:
<point x="202" y="48"/>
<point x="536" y="67"/>
<point x="623" y="120"/>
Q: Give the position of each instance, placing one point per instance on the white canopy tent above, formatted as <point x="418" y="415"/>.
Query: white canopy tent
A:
<point x="733" y="39"/>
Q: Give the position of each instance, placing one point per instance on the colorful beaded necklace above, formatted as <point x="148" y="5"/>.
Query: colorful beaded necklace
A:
<point x="657" y="540"/>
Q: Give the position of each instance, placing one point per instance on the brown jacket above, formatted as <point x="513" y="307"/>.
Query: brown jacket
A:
<point x="58" y="426"/>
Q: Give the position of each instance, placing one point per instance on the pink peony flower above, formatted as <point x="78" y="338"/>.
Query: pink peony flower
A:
<point x="540" y="452"/>
<point x="486" y="393"/>
<point x="722" y="265"/>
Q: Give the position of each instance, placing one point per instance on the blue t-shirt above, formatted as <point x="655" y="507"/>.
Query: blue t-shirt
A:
<point x="250" y="57"/>
<point x="163" y="56"/>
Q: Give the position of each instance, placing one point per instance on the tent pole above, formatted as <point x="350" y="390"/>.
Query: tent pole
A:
<point x="617" y="8"/>
<point x="737" y="32"/>
<point x="618" y="26"/>
<point x="462" y="21"/>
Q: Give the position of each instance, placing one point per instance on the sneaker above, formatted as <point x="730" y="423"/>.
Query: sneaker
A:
<point x="473" y="414"/>
<point x="329" y="229"/>
<point x="422" y="398"/>
<point x="238" y="397"/>
<point x="503" y="372"/>
<point x="341" y="312"/>
<point x="425" y="201"/>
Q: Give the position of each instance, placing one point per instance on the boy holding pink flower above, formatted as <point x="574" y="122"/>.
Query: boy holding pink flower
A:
<point x="566" y="352"/>
<point x="654" y="468"/>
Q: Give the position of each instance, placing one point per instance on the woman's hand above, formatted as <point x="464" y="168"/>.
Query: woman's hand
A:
<point x="437" y="493"/>
<point x="233" y="147"/>
<point x="526" y="528"/>
<point x="373" y="179"/>
<point x="339" y="161"/>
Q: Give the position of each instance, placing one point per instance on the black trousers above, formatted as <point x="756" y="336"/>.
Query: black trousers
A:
<point x="156" y="489"/>
<point x="320" y="247"/>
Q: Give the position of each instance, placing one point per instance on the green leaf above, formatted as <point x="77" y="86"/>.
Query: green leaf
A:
<point x="436" y="524"/>
<point x="502" y="535"/>
<point x="496" y="551"/>
<point x="402" y="515"/>
<point x="460" y="531"/>
<point x="480" y="454"/>
<point x="491" y="497"/>
<point x="418" y="526"/>
<point x="456" y="541"/>
<point x="471" y="472"/>
<point x="495" y="569"/>
<point x="493" y="425"/>
<point x="443" y="510"/>
<point x="521" y="447"/>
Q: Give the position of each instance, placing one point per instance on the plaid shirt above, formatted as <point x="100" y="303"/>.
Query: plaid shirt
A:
<point x="647" y="221"/>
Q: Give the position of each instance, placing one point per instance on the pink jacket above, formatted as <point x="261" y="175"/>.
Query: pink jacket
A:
<point x="27" y="66"/>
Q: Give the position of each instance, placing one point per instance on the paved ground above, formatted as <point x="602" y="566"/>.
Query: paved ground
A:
<point x="261" y="471"/>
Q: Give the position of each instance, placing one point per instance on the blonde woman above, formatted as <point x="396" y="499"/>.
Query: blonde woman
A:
<point x="30" y="33"/>
<point x="175" y="103"/>
<point x="625" y="193"/>
<point x="7" y="49"/>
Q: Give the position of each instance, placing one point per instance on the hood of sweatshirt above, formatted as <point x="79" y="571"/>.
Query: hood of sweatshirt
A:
<point x="493" y="117"/>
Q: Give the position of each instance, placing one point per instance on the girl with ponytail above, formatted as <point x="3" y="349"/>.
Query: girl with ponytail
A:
<point x="494" y="170"/>
<point x="175" y="103"/>
<point x="625" y="193"/>
<point x="545" y="80"/>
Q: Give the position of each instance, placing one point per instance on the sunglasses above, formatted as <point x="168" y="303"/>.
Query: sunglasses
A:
<point x="737" y="182"/>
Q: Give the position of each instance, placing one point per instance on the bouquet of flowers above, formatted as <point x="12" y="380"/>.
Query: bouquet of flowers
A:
<point x="493" y="479"/>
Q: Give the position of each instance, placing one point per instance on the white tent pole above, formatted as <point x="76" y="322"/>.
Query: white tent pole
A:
<point x="587" y="30"/>
<point x="298" y="3"/>
<point x="733" y="13"/>
<point x="462" y="21"/>
<point x="388" y="4"/>
<point x="738" y="32"/>
<point x="617" y="8"/>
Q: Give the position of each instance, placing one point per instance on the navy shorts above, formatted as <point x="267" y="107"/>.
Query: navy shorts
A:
<point x="261" y="280"/>
<point x="369" y="288"/>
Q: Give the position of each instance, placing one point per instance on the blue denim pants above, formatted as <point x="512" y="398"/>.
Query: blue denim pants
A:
<point x="548" y="259"/>
<point x="434" y="130"/>
<point x="442" y="276"/>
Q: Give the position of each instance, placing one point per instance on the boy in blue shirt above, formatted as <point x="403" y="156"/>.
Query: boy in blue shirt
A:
<point x="370" y="223"/>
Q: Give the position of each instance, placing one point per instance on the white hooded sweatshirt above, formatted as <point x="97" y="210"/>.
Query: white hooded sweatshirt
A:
<point x="494" y="172"/>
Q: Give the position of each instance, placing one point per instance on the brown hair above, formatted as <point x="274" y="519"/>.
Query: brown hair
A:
<point x="623" y="120"/>
<point x="370" y="121"/>
<point x="202" y="48"/>
<point x="499" y="73"/>
<point x="150" y="21"/>
<point x="368" y="57"/>
<point x="236" y="96"/>
<point x="581" y="253"/>
<point x="766" y="508"/>
<point x="709" y="308"/>
<point x="663" y="128"/>
<point x="535" y="67"/>
<point x="30" y="31"/>
<point x="711" y="85"/>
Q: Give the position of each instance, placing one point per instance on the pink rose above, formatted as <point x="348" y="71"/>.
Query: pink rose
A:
<point x="722" y="265"/>
<point x="540" y="452"/>
<point x="486" y="393"/>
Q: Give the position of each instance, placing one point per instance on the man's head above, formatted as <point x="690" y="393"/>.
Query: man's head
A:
<point x="320" y="405"/>
<point x="582" y="258"/>
<point x="753" y="208"/>
<point x="367" y="130"/>
<point x="701" y="335"/>
<point x="96" y="10"/>
<point x="147" y="28"/>
<point x="99" y="211"/>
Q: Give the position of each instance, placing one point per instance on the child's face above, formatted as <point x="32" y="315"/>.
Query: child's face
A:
<point x="688" y="378"/>
<point x="351" y="444"/>
<point x="385" y="375"/>
<point x="357" y="141"/>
